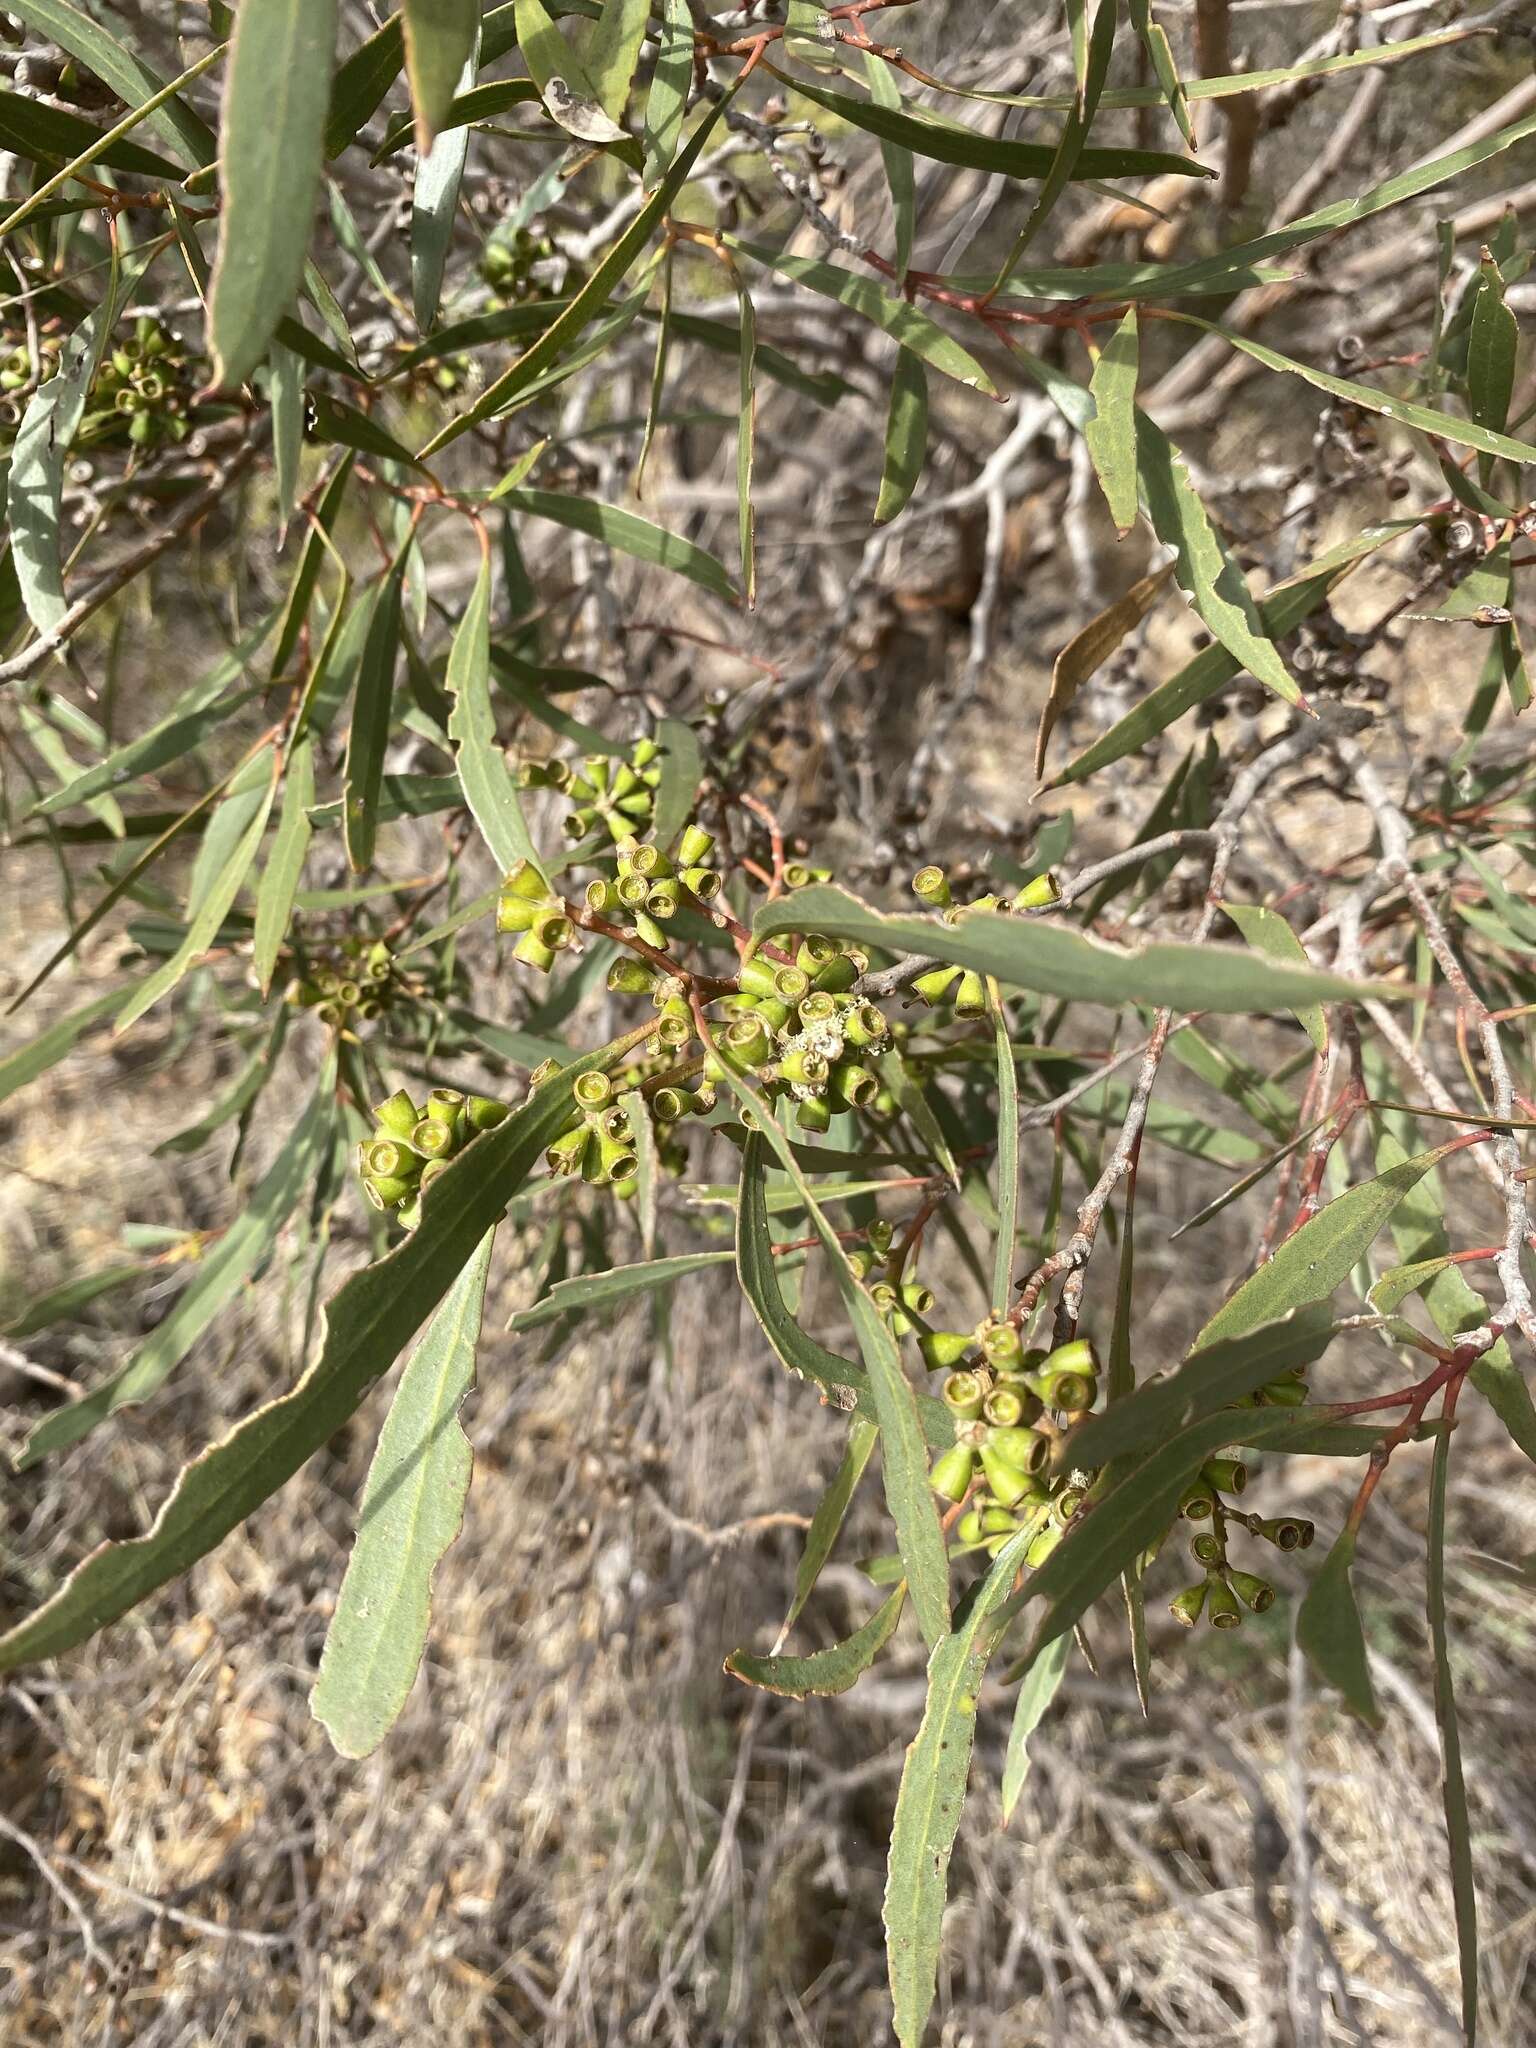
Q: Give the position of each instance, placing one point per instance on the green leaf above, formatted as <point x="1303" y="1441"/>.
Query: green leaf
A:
<point x="1055" y="960"/>
<point x="906" y="436"/>
<point x="629" y="533"/>
<point x="892" y="1399"/>
<point x="755" y="1267"/>
<point x="900" y="170"/>
<point x="1491" y="348"/>
<point x="1041" y="1684"/>
<point x="668" y="96"/>
<point x="1458" y="1818"/>
<point x="1213" y="1376"/>
<point x="1321" y="1255"/>
<point x="1091" y="58"/>
<point x="35" y="482"/>
<point x="1328" y="1630"/>
<point x="285" y="864"/>
<point x="1473" y="433"/>
<point x="825" y="1671"/>
<point x="682" y="769"/>
<point x="121" y="69"/>
<point x="343" y="426"/>
<point x="38" y="1054"/>
<point x="489" y="788"/>
<point x="440" y="40"/>
<point x="368" y="737"/>
<point x="861" y="295"/>
<point x="1268" y="933"/>
<point x="212" y="905"/>
<point x="239" y="1253"/>
<point x="64" y="1302"/>
<point x="569" y="96"/>
<point x="470" y="106"/>
<point x="1007" y="1161"/>
<point x="1283" y="609"/>
<point x="273" y="141"/>
<point x="441" y="159"/>
<point x="411" y="1514"/>
<point x="370" y="1321"/>
<point x="601" y="1290"/>
<point x="1203" y="566"/>
<point x="613" y="51"/>
<point x="946" y="142"/>
<point x="296" y="614"/>
<point x="1111" y="433"/>
<point x="39" y="133"/>
<point x="831" y="1511"/>
<point x="933" y="1782"/>
<point x="746" y="449"/>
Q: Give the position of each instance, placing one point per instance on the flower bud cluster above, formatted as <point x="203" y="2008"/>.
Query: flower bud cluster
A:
<point x="412" y="1144"/>
<point x="962" y="987"/>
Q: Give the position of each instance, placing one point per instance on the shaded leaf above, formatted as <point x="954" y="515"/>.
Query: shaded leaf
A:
<point x="906" y="436"/>
<point x="831" y="1511"/>
<point x="825" y="1671"/>
<point x="411" y="1513"/>
<point x="900" y="170"/>
<point x="1328" y="1630"/>
<point x="39" y="133"/>
<point x="682" y="769"/>
<point x="1041" y="1684"/>
<point x="121" y="68"/>
<point x="1458" y="1818"/>
<point x="1087" y="651"/>
<point x="1268" y="933"/>
<point x="613" y="51"/>
<point x="600" y="1290"/>
<point x="64" y="1302"/>
<point x="668" y="96"/>
<point x="489" y="788"/>
<point x="1007" y="1161"/>
<point x="285" y="863"/>
<point x="1111" y="433"/>
<point x="440" y="165"/>
<point x="1491" y="348"/>
<point x="368" y="736"/>
<point x="629" y="533"/>
<point x="440" y="39"/>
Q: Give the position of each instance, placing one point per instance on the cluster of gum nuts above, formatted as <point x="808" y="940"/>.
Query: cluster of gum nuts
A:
<point x="411" y="1146"/>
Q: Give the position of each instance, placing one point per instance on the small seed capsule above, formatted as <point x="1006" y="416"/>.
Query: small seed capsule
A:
<point x="951" y="1473"/>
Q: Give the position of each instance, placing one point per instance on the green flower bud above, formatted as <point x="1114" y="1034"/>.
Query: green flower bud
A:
<point x="533" y="952"/>
<point x="445" y="1106"/>
<point x="513" y="914"/>
<point x="626" y="1190"/>
<point x="1071" y="1392"/>
<point x="791" y="984"/>
<point x="484" y="1113"/>
<point x="602" y="898"/>
<point x="1068" y="1504"/>
<point x="1005" y="1407"/>
<point x="1039" y="894"/>
<point x="1221" y="1608"/>
<point x="433" y="1170"/>
<point x="805" y="1068"/>
<point x="881" y="1235"/>
<point x="998" y="1522"/>
<point x="916" y="1296"/>
<point x="592" y="1089"/>
<point x="853" y="1085"/>
<point x="544" y="1071"/>
<point x="648" y="929"/>
<point x="524" y="880"/>
<point x="694" y="846"/>
<point x="385" y="1159"/>
<point x="817" y="1008"/>
<point x="1284" y="1394"/>
<point x="748" y="1042"/>
<point x="1187" y="1607"/>
<point x="631" y="977"/>
<point x="434" y="1139"/>
<point x="1208" y="1548"/>
<point x="931" y="886"/>
<point x="597" y="769"/>
<point x="1226" y="1475"/>
<point x="756" y="976"/>
<point x="798" y="876"/>
<point x="813" y="1115"/>
<point x="838" y="976"/>
<point x="1198" y="1504"/>
<point x="671" y="1033"/>
<point x="1024" y="1449"/>
<point x="1047" y="1541"/>
<point x="1077" y="1355"/>
<point x="1254" y="1593"/>
<point x="616" y="1161"/>
<point x="933" y="986"/>
<point x="1006" y="1481"/>
<point x="962" y="1393"/>
<point x="864" y="1025"/>
<point x="814" y="951"/>
<point x="387" y="1193"/>
<point x="397" y="1113"/>
<point x="942" y="1350"/>
<point x="664" y="897"/>
<point x="969" y="1529"/>
<point x="632" y="891"/>
<point x="951" y="1473"/>
<point x="971" y="996"/>
<point x="1002" y="1346"/>
<point x="1287" y="1532"/>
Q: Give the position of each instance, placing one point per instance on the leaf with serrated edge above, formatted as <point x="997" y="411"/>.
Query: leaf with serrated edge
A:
<point x="370" y="1321"/>
<point x="411" y="1513"/>
<point x="823" y="1672"/>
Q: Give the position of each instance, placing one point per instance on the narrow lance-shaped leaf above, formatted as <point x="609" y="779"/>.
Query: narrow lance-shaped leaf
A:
<point x="629" y="533"/>
<point x="1055" y="960"/>
<point x="489" y="789"/>
<point x="682" y="768"/>
<point x="1087" y="651"/>
<point x="613" y="51"/>
<point x="1204" y="568"/>
<point x="411" y="1513"/>
<point x="900" y="170"/>
<point x="823" y="1672"/>
<point x="616" y="1283"/>
<point x="1328" y="1630"/>
<point x="120" y="68"/>
<point x="239" y="1253"/>
<point x="35" y="481"/>
<point x="668" y="96"/>
<point x="1491" y="349"/>
<point x="928" y="1805"/>
<point x="275" y="100"/>
<point x="440" y="164"/>
<point x="746" y="448"/>
<point x="1458" y="1818"/>
<point x="831" y="1511"/>
<point x="1007" y="1158"/>
<point x="370" y="1321"/>
<point x="906" y="436"/>
<point x="223" y="887"/>
<point x="285" y="863"/>
<point x="1111" y="433"/>
<point x="1091" y="58"/>
<point x="569" y="96"/>
<point x="1040" y="1687"/>
<point x="371" y="706"/>
<point x="440" y="38"/>
<point x="1267" y="932"/>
